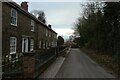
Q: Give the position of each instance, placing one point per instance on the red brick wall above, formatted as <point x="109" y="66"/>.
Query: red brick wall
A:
<point x="23" y="28"/>
<point x="28" y="66"/>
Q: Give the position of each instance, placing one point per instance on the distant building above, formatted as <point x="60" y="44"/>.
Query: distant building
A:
<point x="69" y="43"/>
<point x="23" y="32"/>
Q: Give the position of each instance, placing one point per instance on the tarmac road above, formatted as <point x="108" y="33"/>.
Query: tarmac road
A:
<point x="79" y="65"/>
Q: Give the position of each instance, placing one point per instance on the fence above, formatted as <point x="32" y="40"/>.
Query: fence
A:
<point x="11" y="66"/>
<point x="28" y="65"/>
<point x="42" y="56"/>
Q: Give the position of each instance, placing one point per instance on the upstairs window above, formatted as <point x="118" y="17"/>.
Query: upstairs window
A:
<point x="13" y="41"/>
<point x="31" y="44"/>
<point x="46" y="44"/>
<point x="13" y="17"/>
<point x="43" y="44"/>
<point x="49" y="44"/>
<point x="55" y="36"/>
<point x="49" y="34"/>
<point x="52" y="44"/>
<point x="32" y="25"/>
<point x="46" y="32"/>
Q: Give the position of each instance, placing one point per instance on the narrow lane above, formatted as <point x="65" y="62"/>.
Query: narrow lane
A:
<point x="79" y="65"/>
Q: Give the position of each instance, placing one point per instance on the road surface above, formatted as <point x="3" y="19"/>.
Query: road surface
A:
<point x="79" y="65"/>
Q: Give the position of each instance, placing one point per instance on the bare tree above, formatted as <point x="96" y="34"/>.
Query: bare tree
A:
<point x="40" y="15"/>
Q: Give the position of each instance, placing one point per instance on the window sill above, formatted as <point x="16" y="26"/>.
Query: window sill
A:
<point x="13" y="53"/>
<point x="32" y="31"/>
<point x="31" y="50"/>
<point x="13" y="24"/>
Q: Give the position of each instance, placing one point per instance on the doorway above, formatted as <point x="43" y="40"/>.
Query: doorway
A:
<point x="24" y="44"/>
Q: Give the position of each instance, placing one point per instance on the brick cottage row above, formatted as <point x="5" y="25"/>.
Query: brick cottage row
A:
<point x="23" y="32"/>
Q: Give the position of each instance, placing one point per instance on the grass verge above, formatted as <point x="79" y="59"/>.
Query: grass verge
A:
<point x="106" y="61"/>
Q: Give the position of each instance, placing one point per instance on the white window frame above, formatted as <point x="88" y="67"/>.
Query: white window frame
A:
<point x="32" y="25"/>
<point x="40" y="44"/>
<point x="46" y="32"/>
<point x="55" y="44"/>
<point x="49" y="34"/>
<point x="49" y="44"/>
<point x="31" y="44"/>
<point x="52" y="44"/>
<point x="46" y="44"/>
<point x="13" y="45"/>
<point x="14" y="17"/>
<point x="55" y="36"/>
<point x="43" y="44"/>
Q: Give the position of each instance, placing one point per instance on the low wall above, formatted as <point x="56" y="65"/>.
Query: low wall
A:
<point x="44" y="66"/>
<point x="63" y="52"/>
<point x="29" y="67"/>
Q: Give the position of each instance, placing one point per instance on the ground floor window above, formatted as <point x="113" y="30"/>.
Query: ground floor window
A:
<point x="52" y="44"/>
<point x="49" y="44"/>
<point x="39" y="44"/>
<point x="44" y="44"/>
<point x="13" y="42"/>
<point x="31" y="44"/>
<point x="55" y="43"/>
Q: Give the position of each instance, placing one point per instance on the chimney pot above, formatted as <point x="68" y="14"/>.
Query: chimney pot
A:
<point x="39" y="18"/>
<point x="49" y="26"/>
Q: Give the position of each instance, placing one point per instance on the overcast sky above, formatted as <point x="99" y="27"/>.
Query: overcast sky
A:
<point x="61" y="15"/>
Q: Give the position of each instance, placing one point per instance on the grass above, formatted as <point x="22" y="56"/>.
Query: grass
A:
<point x="109" y="63"/>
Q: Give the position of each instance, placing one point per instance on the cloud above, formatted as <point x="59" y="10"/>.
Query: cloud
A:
<point x="62" y="15"/>
<point x="66" y="32"/>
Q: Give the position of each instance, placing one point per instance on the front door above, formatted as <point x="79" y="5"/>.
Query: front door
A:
<point x="24" y="44"/>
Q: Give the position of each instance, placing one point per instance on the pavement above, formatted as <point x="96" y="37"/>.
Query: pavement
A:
<point x="51" y="71"/>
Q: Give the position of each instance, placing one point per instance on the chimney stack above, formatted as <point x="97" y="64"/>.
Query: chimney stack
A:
<point x="24" y="5"/>
<point x="49" y="26"/>
<point x="39" y="18"/>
